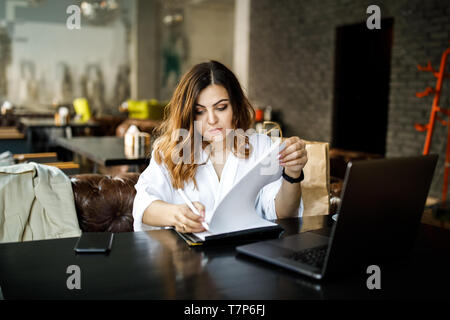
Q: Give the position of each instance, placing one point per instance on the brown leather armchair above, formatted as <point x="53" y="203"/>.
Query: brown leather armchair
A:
<point x="105" y="202"/>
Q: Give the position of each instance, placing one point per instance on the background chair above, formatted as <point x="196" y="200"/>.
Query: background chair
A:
<point x="49" y="159"/>
<point x="104" y="202"/>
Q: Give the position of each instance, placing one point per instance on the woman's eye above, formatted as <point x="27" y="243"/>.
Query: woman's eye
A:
<point x="221" y="108"/>
<point x="198" y="111"/>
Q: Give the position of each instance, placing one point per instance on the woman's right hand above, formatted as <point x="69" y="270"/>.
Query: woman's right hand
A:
<point x="186" y="221"/>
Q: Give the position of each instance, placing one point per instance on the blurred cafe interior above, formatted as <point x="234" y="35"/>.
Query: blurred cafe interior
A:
<point x="83" y="84"/>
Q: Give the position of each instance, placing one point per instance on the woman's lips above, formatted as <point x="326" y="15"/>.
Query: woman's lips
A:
<point x="215" y="131"/>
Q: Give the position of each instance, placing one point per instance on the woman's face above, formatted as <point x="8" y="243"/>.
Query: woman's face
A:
<point x="214" y="112"/>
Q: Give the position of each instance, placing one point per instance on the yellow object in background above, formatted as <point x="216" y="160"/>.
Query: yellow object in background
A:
<point x="145" y="109"/>
<point x="82" y="109"/>
<point x="138" y="109"/>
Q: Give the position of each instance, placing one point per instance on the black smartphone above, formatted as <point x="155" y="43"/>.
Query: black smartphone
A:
<point x="94" y="242"/>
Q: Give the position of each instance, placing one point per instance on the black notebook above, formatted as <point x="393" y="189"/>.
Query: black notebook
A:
<point x="242" y="236"/>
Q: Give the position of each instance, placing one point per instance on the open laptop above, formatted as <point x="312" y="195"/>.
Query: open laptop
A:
<point x="382" y="202"/>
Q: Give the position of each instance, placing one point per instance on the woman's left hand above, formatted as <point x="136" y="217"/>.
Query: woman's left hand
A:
<point x="293" y="157"/>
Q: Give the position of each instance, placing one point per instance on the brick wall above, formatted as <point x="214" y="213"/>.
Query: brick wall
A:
<point x="292" y="66"/>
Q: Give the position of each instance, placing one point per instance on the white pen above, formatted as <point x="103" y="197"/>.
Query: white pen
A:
<point x="191" y="206"/>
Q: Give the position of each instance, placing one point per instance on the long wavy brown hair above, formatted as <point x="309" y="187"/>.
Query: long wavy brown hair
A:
<point x="180" y="114"/>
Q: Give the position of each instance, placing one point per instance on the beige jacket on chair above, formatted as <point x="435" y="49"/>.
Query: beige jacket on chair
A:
<point x="36" y="202"/>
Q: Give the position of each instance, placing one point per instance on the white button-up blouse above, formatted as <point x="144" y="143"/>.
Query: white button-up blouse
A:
<point x="154" y="184"/>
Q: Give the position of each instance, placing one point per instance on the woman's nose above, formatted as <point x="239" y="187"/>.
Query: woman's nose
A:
<point x="212" y="118"/>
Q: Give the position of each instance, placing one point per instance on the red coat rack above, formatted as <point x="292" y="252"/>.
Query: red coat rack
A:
<point x="434" y="115"/>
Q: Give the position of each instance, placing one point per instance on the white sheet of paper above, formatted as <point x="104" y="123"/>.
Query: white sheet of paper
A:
<point x="236" y="211"/>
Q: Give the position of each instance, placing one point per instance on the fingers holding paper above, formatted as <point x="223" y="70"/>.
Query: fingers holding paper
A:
<point x="187" y="221"/>
<point x="294" y="156"/>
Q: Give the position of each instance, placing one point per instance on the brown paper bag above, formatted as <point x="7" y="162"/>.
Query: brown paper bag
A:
<point x="316" y="185"/>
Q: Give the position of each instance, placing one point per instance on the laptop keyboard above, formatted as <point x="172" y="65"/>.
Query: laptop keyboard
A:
<point x="314" y="256"/>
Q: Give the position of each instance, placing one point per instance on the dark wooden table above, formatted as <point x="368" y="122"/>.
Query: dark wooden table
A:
<point x="41" y="133"/>
<point x="106" y="151"/>
<point x="159" y="265"/>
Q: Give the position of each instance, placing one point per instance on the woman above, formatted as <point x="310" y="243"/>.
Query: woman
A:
<point x="203" y="151"/>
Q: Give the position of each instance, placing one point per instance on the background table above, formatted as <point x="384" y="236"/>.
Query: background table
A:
<point x="41" y="133"/>
<point x="159" y="265"/>
<point x="106" y="151"/>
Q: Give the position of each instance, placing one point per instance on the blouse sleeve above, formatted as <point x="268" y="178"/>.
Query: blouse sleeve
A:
<point x="265" y="201"/>
<point x="153" y="184"/>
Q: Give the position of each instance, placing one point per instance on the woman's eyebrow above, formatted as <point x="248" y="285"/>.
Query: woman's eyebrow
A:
<point x="221" y="100"/>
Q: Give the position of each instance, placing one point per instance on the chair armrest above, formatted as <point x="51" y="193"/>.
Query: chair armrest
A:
<point x="103" y="202"/>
